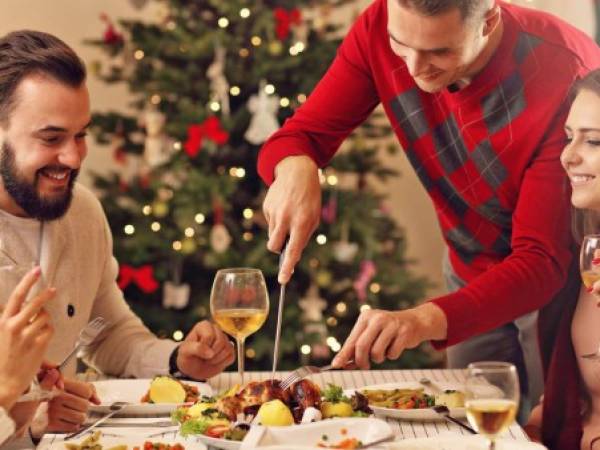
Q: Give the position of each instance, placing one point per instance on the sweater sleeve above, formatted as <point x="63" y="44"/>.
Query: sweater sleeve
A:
<point x="128" y="348"/>
<point x="341" y="101"/>
<point x="537" y="267"/>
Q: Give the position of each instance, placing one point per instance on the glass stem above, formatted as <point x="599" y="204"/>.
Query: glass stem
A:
<point x="240" y="357"/>
<point x="492" y="445"/>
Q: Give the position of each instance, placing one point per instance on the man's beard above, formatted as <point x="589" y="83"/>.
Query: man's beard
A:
<point x="25" y="194"/>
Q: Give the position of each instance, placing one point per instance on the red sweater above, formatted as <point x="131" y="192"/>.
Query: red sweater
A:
<point x="488" y="154"/>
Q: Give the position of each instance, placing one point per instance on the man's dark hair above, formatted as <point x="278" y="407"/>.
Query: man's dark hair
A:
<point x="469" y="9"/>
<point x="25" y="52"/>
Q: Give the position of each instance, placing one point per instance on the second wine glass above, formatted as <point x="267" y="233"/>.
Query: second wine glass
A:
<point x="492" y="397"/>
<point x="239" y="304"/>
<point x="589" y="259"/>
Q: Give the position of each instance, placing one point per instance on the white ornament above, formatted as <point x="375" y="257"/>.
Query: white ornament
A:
<point x="219" y="86"/>
<point x="344" y="251"/>
<point x="176" y="296"/>
<point x="219" y="238"/>
<point x="132" y="168"/>
<point x="264" y="122"/>
<point x="157" y="150"/>
<point x="312" y="305"/>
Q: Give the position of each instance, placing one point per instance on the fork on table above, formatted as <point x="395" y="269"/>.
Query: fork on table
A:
<point x="304" y="371"/>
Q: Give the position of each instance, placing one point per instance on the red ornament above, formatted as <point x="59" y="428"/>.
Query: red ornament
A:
<point x="210" y="129"/>
<point x="143" y="277"/>
<point x="284" y="20"/>
<point x="110" y="36"/>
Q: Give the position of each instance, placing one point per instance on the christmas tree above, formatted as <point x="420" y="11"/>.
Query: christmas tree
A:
<point x="211" y="81"/>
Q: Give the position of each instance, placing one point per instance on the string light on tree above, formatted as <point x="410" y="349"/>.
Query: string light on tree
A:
<point x="223" y="22"/>
<point x="235" y="91"/>
<point x="321" y="239"/>
<point x="199" y="218"/>
<point x="244" y="52"/>
<point x="365" y="308"/>
<point x="177" y="245"/>
<point x="177" y="146"/>
<point x="248" y="236"/>
<point x="332" y="180"/>
<point x="155" y="99"/>
<point x="147" y="210"/>
<point x="284" y="102"/>
<point x="305" y="349"/>
<point x="250" y="353"/>
<point x="155" y="226"/>
<point x="332" y="321"/>
<point x="301" y="98"/>
<point x="341" y="308"/>
<point x="189" y="232"/>
<point x="178" y="335"/>
<point x="139" y="55"/>
<point x="256" y="40"/>
<point x="375" y="288"/>
<point x="215" y="106"/>
<point x="248" y="213"/>
<point x="129" y="229"/>
<point x="270" y="89"/>
<point x="244" y="13"/>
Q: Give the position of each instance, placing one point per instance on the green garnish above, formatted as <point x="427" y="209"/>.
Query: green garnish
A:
<point x="334" y="394"/>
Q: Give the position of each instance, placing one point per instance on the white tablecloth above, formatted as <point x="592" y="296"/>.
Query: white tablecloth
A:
<point x="351" y="379"/>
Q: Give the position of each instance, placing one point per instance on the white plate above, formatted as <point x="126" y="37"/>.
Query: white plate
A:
<point x="413" y="414"/>
<point x="306" y="436"/>
<point x="130" y="441"/>
<point x="131" y="391"/>
<point x="460" y="443"/>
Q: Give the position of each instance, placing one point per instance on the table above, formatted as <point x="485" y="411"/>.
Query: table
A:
<point x="351" y="379"/>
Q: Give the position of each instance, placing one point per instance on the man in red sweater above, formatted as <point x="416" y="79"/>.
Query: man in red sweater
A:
<point x="477" y="93"/>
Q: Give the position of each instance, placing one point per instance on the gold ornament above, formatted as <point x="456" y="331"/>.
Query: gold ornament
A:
<point x="160" y="209"/>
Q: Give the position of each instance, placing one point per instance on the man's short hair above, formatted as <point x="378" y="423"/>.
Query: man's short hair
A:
<point x="469" y="9"/>
<point x="26" y="52"/>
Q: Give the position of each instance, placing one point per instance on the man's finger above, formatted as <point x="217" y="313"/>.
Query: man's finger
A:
<point x="203" y="332"/>
<point x="382" y="342"/>
<point x="278" y="236"/>
<point x="397" y="347"/>
<point x="15" y="302"/>
<point x="364" y="345"/>
<point x="293" y="252"/>
<point x="347" y="351"/>
<point x="196" y="349"/>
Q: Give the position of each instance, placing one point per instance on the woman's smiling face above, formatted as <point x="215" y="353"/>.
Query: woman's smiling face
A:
<point x="581" y="156"/>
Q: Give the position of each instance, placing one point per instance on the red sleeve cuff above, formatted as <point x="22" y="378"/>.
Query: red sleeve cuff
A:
<point x="461" y="325"/>
<point x="270" y="155"/>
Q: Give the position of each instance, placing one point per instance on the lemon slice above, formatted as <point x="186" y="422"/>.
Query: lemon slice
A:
<point x="166" y="390"/>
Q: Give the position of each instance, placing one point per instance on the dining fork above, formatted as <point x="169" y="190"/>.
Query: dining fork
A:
<point x="303" y="372"/>
<point x="87" y="335"/>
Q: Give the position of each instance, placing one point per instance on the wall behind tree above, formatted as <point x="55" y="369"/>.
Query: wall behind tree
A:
<point x="77" y="20"/>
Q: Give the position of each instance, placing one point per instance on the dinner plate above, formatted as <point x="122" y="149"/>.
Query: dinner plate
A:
<point x="132" y="391"/>
<point x="413" y="414"/>
<point x="306" y="436"/>
<point x="130" y="442"/>
<point x="461" y="443"/>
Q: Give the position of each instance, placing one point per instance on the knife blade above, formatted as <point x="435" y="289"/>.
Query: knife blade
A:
<point x="279" y="315"/>
<point x="160" y="424"/>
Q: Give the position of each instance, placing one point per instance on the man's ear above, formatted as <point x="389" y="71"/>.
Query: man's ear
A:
<point x="491" y="19"/>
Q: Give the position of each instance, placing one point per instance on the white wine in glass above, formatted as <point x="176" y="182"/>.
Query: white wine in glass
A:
<point x="589" y="259"/>
<point x="492" y="397"/>
<point x="239" y="304"/>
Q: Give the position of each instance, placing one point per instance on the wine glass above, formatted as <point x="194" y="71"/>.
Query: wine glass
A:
<point x="589" y="259"/>
<point x="492" y="397"/>
<point x="239" y="304"/>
